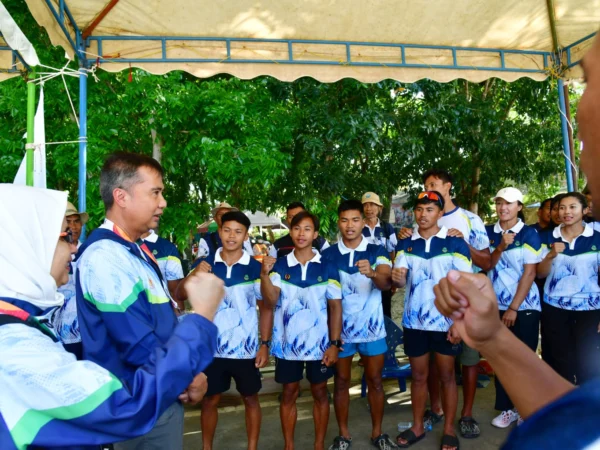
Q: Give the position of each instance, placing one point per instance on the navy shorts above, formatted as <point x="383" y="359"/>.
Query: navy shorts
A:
<point x="288" y="371"/>
<point x="419" y="342"/>
<point x="243" y="371"/>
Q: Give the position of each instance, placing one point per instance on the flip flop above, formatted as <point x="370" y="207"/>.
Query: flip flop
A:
<point x="469" y="428"/>
<point x="410" y="437"/>
<point x="449" y="441"/>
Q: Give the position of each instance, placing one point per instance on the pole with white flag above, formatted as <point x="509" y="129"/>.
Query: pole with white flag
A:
<point x="39" y="149"/>
<point x="30" y="129"/>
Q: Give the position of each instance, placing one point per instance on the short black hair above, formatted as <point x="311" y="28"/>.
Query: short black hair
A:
<point x="351" y="205"/>
<point x="441" y="174"/>
<point x="236" y="216"/>
<point x="427" y="201"/>
<point x="305" y="215"/>
<point x="543" y="203"/>
<point x="295" y="205"/>
<point x="120" y="170"/>
<point x="578" y="196"/>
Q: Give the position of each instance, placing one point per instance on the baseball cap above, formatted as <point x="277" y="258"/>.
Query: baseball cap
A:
<point x="71" y="211"/>
<point x="223" y="205"/>
<point x="371" y="197"/>
<point x="510" y="194"/>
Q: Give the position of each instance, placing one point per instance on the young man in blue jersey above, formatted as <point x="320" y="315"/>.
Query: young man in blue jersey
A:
<point x="239" y="354"/>
<point x="468" y="226"/>
<point x="365" y="270"/>
<point x="302" y="289"/>
<point x="425" y="259"/>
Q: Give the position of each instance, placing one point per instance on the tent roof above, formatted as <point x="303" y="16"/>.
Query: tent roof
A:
<point x="261" y="219"/>
<point x="16" y="52"/>
<point x="369" y="40"/>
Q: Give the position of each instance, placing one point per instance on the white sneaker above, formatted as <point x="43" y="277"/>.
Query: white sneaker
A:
<point x="505" y="418"/>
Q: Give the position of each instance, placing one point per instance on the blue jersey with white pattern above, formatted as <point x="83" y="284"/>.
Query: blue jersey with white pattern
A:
<point x="428" y="261"/>
<point x="236" y="317"/>
<point x="300" y="330"/>
<point x="506" y="275"/>
<point x="362" y="311"/>
<point x="573" y="280"/>
<point x="167" y="256"/>
<point x="383" y="234"/>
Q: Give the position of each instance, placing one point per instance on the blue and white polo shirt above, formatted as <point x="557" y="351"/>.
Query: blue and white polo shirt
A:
<point x="470" y="225"/>
<point x="383" y="235"/>
<point x="236" y="317"/>
<point x="573" y="280"/>
<point x="505" y="276"/>
<point x="362" y="312"/>
<point x="428" y="261"/>
<point x="167" y="256"/>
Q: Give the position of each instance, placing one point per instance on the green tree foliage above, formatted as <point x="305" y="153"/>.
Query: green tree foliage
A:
<point x="261" y="144"/>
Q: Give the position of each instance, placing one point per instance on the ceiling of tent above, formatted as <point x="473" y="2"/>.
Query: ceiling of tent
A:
<point x="16" y="52"/>
<point x="369" y="40"/>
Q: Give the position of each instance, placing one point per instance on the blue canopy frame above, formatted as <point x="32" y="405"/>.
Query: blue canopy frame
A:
<point x="552" y="63"/>
<point x="15" y="56"/>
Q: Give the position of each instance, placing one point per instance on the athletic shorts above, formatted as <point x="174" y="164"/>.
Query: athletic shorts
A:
<point x="243" y="371"/>
<point x="469" y="356"/>
<point x="364" y="348"/>
<point x="289" y="371"/>
<point x="419" y="342"/>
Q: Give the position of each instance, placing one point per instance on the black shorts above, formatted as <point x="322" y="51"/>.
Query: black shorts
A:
<point x="419" y="342"/>
<point x="243" y="371"/>
<point x="287" y="371"/>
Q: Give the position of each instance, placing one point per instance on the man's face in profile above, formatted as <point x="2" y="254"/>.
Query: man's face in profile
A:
<point x="588" y="119"/>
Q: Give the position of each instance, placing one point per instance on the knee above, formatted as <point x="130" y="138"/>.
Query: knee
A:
<point x="341" y="383"/>
<point x="251" y="401"/>
<point x="290" y="395"/>
<point x="447" y="376"/>
<point x="419" y="376"/>
<point x="320" y="394"/>
<point x="375" y="382"/>
<point x="211" y="401"/>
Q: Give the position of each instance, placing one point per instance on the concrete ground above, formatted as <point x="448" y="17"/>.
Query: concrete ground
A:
<point x="231" y="430"/>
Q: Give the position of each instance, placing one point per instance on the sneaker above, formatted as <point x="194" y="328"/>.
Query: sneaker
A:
<point x="383" y="442"/>
<point x="505" y="418"/>
<point x="520" y="421"/>
<point x="341" y="443"/>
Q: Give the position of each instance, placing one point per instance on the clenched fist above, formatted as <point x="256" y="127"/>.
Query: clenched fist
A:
<point x="205" y="293"/>
<point x="267" y="265"/>
<point x="399" y="276"/>
<point x="364" y="267"/>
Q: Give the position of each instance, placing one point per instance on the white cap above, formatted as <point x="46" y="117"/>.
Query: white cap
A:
<point x="510" y="194"/>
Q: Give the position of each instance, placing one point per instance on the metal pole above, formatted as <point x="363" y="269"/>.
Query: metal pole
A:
<point x="565" y="134"/>
<point x="30" y="129"/>
<point x="82" y="141"/>
<point x="570" y="130"/>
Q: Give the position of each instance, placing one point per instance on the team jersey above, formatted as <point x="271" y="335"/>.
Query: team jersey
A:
<point x="300" y="330"/>
<point x="236" y="317"/>
<point x="573" y="280"/>
<point x="470" y="225"/>
<point x="382" y="234"/>
<point x="505" y="276"/>
<point x="167" y="256"/>
<point x="428" y="261"/>
<point x="362" y="311"/>
<point x="124" y="309"/>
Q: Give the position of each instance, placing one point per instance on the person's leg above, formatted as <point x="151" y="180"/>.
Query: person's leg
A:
<point x="386" y="303"/>
<point x="503" y="401"/>
<point x="587" y="345"/>
<point x="419" y="367"/>
<point x="253" y="420"/>
<point x="433" y="386"/>
<point x="469" y="359"/>
<point x="208" y="419"/>
<point x="289" y="413"/>
<point x="375" y="396"/>
<point x="320" y="412"/>
<point x="341" y="394"/>
<point x="445" y="364"/>
<point x="558" y="339"/>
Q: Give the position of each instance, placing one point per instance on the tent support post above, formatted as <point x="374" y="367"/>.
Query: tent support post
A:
<point x="30" y="130"/>
<point x="82" y="140"/>
<point x="565" y="134"/>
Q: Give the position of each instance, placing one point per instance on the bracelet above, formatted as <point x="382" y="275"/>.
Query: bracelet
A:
<point x="513" y="309"/>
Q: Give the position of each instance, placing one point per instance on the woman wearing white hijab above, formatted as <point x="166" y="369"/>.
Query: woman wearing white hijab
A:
<point x="50" y="399"/>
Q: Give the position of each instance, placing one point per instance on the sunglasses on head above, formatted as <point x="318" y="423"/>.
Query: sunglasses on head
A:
<point x="430" y="195"/>
<point x="67" y="236"/>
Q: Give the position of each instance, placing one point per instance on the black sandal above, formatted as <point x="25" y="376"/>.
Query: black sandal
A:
<point x="449" y="441"/>
<point x="469" y="428"/>
<point x="409" y="437"/>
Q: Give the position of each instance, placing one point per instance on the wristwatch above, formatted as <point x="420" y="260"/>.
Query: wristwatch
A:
<point x="335" y="342"/>
<point x="267" y="343"/>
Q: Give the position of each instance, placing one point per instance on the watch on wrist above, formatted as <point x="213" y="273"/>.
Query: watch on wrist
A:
<point x="267" y="343"/>
<point x="336" y="342"/>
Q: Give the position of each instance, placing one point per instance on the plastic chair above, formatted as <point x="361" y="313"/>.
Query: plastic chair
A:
<point x="391" y="368"/>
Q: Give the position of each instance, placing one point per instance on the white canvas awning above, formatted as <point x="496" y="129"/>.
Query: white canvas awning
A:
<point x="14" y="48"/>
<point x="368" y="40"/>
<point x="261" y="219"/>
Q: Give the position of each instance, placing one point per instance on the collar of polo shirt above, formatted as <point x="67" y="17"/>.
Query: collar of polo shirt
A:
<point x="245" y="259"/>
<point x="292" y="261"/>
<point x="372" y="230"/>
<point x="441" y="234"/>
<point x="588" y="230"/>
<point x="152" y="237"/>
<point x="361" y="247"/>
<point x="515" y="229"/>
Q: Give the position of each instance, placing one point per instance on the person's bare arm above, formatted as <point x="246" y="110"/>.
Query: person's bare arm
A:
<point x="470" y="301"/>
<point x="181" y="293"/>
<point x="544" y="268"/>
<point x="335" y="331"/>
<point x="270" y="292"/>
<point x="381" y="276"/>
<point x="266" y="327"/>
<point x="399" y="276"/>
<point x="510" y="315"/>
<point x="481" y="258"/>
